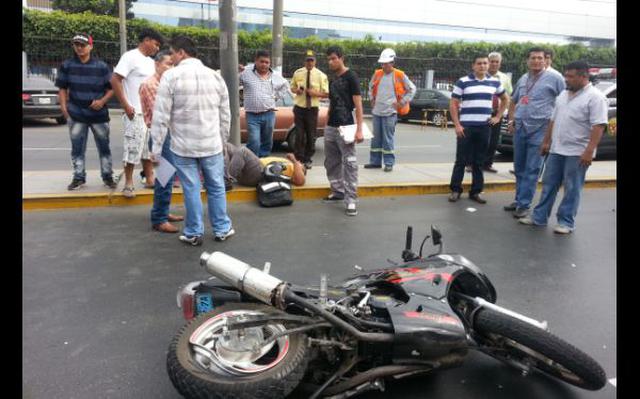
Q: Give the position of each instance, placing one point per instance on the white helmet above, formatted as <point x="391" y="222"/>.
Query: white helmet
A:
<point x="387" y="55"/>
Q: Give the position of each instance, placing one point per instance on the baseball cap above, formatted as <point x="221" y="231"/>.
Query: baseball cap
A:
<point x="310" y="55"/>
<point x="83" y="38"/>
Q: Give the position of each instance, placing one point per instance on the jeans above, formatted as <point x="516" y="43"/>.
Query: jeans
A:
<point x="162" y="195"/>
<point x="79" y="131"/>
<point x="566" y="171"/>
<point x="213" y="171"/>
<point x="260" y="132"/>
<point x="527" y="163"/>
<point x="470" y="149"/>
<point x="384" y="128"/>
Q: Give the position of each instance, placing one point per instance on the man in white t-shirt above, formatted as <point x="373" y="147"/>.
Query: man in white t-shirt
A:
<point x="134" y="67"/>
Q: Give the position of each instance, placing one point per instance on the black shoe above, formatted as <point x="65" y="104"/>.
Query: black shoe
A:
<point x="477" y="198"/>
<point x="331" y="198"/>
<point x="512" y="171"/>
<point x="520" y="213"/>
<point x="372" y="166"/>
<point x="75" y="183"/>
<point x="307" y="165"/>
<point x="468" y="169"/>
<point x="511" y="207"/>
<point x="454" y="196"/>
<point x="388" y="168"/>
<point x="490" y="169"/>
<point x="110" y="183"/>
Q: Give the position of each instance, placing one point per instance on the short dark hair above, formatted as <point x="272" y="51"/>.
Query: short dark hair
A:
<point x="151" y="34"/>
<point x="160" y="55"/>
<point x="262" y="53"/>
<point x="478" y="56"/>
<point x="581" y="67"/>
<point x="184" y="43"/>
<point x="337" y="50"/>
<point x="549" y="52"/>
<point x="536" y="50"/>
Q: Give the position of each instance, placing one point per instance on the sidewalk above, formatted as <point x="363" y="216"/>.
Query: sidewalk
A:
<point x="47" y="189"/>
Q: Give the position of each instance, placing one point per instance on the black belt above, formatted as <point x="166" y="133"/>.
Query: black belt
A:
<point x="258" y="113"/>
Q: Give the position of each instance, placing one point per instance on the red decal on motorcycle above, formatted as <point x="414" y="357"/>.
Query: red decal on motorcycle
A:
<point x="437" y="318"/>
<point x="423" y="276"/>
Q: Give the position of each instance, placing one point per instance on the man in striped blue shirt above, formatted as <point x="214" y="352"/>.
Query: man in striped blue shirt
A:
<point x="471" y="107"/>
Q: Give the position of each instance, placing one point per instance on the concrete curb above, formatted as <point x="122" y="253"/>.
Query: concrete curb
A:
<point x="145" y="197"/>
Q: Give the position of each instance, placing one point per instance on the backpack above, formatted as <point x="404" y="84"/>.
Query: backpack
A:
<point x="275" y="188"/>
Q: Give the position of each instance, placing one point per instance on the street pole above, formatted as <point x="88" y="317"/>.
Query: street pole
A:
<point x="227" y="12"/>
<point x="122" y="11"/>
<point x="277" y="35"/>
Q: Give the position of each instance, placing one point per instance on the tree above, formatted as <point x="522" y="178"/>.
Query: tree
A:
<point x="98" y="7"/>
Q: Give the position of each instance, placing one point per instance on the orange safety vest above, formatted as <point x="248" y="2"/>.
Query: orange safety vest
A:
<point x="398" y="84"/>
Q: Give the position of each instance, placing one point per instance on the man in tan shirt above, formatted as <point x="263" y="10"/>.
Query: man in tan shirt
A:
<point x="306" y="84"/>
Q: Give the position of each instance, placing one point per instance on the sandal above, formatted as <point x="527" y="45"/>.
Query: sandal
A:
<point x="128" y="192"/>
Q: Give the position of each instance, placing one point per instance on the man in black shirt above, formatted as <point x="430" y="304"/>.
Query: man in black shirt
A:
<point x="340" y="156"/>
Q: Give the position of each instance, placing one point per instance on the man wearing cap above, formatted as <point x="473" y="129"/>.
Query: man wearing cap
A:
<point x="84" y="91"/>
<point x="134" y="67"/>
<point x="390" y="91"/>
<point x="308" y="83"/>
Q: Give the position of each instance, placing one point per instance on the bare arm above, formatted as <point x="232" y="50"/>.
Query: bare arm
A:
<point x="546" y="142"/>
<point x="357" y="100"/>
<point x="116" y="84"/>
<point x="594" y="140"/>
<point x="454" y="104"/>
<point x="62" y="98"/>
<point x="504" y="103"/>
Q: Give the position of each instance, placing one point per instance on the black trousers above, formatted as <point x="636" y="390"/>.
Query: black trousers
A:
<point x="493" y="144"/>
<point x="306" y="122"/>
<point x="473" y="148"/>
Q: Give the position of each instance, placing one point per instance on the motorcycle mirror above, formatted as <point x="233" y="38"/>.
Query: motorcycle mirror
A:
<point x="436" y="235"/>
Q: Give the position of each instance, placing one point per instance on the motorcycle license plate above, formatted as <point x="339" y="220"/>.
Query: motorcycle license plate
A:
<point x="204" y="302"/>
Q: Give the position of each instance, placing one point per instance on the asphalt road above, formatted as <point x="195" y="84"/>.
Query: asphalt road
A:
<point x="99" y="307"/>
<point x="46" y="145"/>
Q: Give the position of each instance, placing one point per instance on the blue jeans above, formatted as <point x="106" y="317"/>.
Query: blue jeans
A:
<point x="260" y="132"/>
<point x="527" y="163"/>
<point x="470" y="149"/>
<point x="213" y="171"/>
<point x="384" y="128"/>
<point x="559" y="171"/>
<point x="79" y="131"/>
<point x="162" y="195"/>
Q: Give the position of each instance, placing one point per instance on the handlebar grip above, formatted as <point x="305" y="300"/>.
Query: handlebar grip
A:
<point x="409" y="238"/>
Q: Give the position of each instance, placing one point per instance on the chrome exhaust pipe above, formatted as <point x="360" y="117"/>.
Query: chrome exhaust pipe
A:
<point x="240" y="275"/>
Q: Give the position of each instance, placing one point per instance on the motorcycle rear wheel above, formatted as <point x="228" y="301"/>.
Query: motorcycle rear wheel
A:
<point x="284" y="368"/>
<point x="545" y="351"/>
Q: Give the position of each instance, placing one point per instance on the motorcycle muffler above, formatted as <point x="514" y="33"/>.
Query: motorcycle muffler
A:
<point x="240" y="275"/>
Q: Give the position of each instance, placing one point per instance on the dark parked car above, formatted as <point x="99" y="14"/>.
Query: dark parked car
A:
<point x="40" y="99"/>
<point x="607" y="145"/>
<point x="429" y="99"/>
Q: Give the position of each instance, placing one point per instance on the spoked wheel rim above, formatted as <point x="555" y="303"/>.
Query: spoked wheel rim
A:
<point x="437" y="118"/>
<point x="237" y="352"/>
<point x="539" y="361"/>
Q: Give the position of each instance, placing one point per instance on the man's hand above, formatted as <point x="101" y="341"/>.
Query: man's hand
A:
<point x="96" y="105"/>
<point x="586" y="157"/>
<point x="313" y="92"/>
<point x="544" y="148"/>
<point x="154" y="160"/>
<point x="511" y="127"/>
<point x="495" y="120"/>
<point x="240" y="68"/>
<point x="359" y="136"/>
<point x="130" y="111"/>
<point x="65" y="113"/>
<point x="460" y="131"/>
<point x="300" y="90"/>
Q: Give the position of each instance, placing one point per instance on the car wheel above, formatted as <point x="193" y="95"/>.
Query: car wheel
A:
<point x="291" y="139"/>
<point x="438" y="118"/>
<point x="61" y="120"/>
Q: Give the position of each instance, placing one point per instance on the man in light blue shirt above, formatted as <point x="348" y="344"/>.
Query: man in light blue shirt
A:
<point x="575" y="129"/>
<point x="532" y="103"/>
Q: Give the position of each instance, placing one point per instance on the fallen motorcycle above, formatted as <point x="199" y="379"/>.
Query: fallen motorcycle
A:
<point x="252" y="335"/>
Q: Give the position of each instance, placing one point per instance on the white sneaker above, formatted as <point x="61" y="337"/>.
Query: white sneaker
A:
<point x="222" y="237"/>
<point x="526" y="220"/>
<point x="351" y="209"/>
<point x="561" y="229"/>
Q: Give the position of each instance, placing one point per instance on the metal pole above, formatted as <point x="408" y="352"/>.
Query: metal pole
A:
<point x="277" y="35"/>
<point x="227" y="12"/>
<point x="122" y="11"/>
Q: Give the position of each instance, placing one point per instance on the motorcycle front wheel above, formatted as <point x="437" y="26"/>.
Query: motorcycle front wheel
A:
<point x="205" y="360"/>
<point x="514" y="341"/>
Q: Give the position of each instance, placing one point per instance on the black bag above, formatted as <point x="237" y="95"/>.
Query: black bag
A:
<point x="275" y="188"/>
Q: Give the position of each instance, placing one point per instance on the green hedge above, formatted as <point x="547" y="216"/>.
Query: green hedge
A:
<point x="47" y="35"/>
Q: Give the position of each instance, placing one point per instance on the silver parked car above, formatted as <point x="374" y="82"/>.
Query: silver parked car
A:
<point x="40" y="99"/>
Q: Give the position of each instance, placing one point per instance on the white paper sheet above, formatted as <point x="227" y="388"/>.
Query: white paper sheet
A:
<point x="348" y="132"/>
<point x="164" y="170"/>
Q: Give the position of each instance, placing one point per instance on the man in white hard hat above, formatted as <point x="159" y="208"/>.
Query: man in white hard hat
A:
<point x="390" y="91"/>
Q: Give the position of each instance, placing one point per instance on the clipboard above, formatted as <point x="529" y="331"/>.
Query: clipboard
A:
<point x="348" y="132"/>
